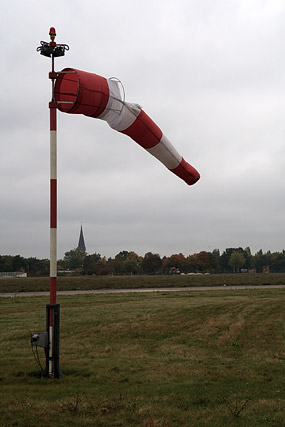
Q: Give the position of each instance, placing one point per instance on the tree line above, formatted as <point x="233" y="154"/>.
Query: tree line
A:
<point x="232" y="260"/>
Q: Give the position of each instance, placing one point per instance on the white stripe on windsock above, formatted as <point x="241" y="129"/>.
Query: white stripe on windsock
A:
<point x="166" y="153"/>
<point x="120" y="115"/>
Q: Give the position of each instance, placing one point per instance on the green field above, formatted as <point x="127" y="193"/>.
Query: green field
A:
<point x="208" y="358"/>
<point x="144" y="281"/>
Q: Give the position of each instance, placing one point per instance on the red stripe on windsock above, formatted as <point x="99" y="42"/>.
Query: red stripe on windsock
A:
<point x="80" y="92"/>
<point x="53" y="203"/>
<point x="144" y="131"/>
<point x="186" y="172"/>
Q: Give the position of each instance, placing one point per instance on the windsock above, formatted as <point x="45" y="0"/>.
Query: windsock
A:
<point x="79" y="92"/>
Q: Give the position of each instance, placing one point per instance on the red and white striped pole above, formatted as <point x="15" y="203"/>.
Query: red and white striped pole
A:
<point x="53" y="202"/>
<point x="53" y="180"/>
<point x="52" y="50"/>
<point x="53" y="212"/>
<point x="53" y="226"/>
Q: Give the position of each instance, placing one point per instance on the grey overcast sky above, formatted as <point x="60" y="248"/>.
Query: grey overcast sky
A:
<point x="209" y="73"/>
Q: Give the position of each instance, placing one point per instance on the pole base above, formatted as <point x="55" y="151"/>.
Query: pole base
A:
<point x="52" y="350"/>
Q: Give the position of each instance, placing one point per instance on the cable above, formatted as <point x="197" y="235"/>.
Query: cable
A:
<point x="115" y="79"/>
<point x="37" y="358"/>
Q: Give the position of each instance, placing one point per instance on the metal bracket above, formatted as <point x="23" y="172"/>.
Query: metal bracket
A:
<point x="39" y="339"/>
<point x="51" y="50"/>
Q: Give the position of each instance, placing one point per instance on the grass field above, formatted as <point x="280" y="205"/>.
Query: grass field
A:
<point x="120" y="282"/>
<point x="164" y="359"/>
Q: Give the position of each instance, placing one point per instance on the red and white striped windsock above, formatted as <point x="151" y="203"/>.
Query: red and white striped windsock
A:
<point x="79" y="92"/>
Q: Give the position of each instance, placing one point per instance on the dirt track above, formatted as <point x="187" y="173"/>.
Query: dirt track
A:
<point x="118" y="291"/>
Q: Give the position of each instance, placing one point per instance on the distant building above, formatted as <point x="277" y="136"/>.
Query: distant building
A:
<point x="13" y="274"/>
<point x="81" y="243"/>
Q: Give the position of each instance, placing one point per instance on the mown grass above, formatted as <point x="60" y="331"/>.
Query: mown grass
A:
<point x="161" y="359"/>
<point x="120" y="282"/>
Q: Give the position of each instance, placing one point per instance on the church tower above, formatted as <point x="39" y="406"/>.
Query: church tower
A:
<point x="81" y="243"/>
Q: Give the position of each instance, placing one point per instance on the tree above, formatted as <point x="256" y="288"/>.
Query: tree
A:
<point x="90" y="263"/>
<point x="19" y="263"/>
<point x="74" y="258"/>
<point x="216" y="253"/>
<point x="132" y="264"/>
<point x="248" y="258"/>
<point x="177" y="260"/>
<point x="37" y="267"/>
<point x="201" y="262"/>
<point x="151" y="263"/>
<point x="261" y="260"/>
<point x="121" y="256"/>
<point x="278" y="262"/>
<point x="191" y="265"/>
<point x="236" y="261"/>
<point x="125" y="262"/>
<point x="6" y="263"/>
<point x="226" y="255"/>
<point x="206" y="261"/>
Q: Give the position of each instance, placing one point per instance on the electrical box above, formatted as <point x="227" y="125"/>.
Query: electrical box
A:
<point x="39" y="339"/>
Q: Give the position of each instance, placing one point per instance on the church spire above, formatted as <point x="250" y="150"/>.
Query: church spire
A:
<point x="81" y="243"/>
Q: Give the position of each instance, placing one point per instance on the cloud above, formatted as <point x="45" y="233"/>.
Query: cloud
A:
<point x="209" y="73"/>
